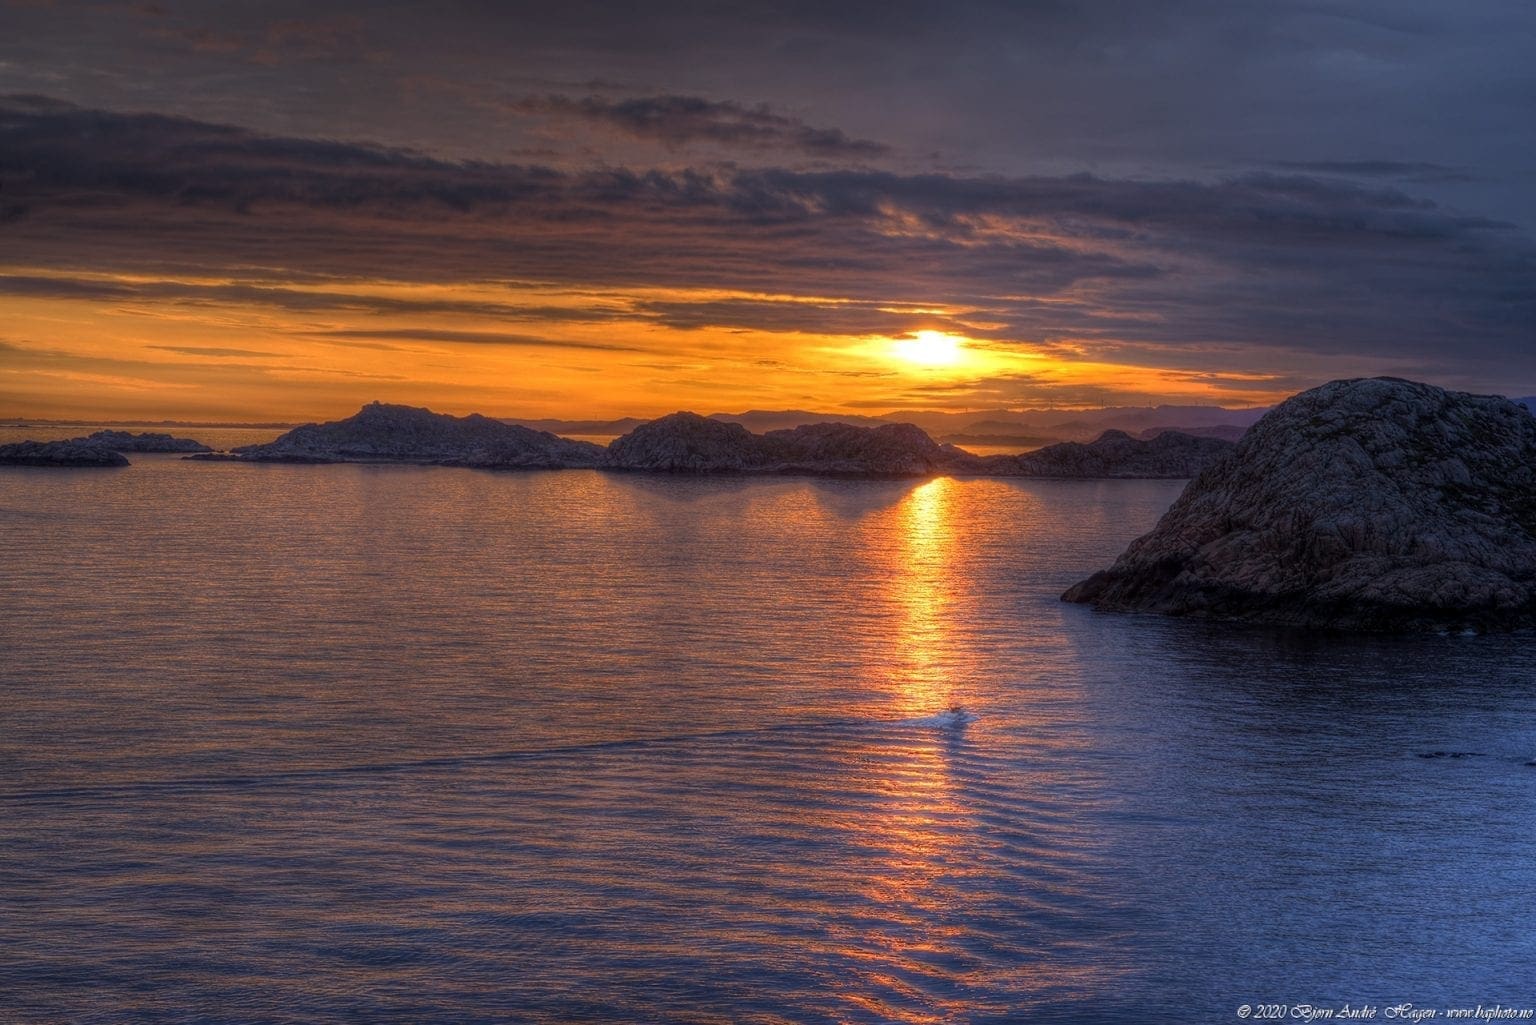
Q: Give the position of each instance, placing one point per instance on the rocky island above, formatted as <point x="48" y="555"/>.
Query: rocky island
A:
<point x="380" y="433"/>
<point x="689" y="443"/>
<point x="70" y="452"/>
<point x="1114" y="454"/>
<point x="126" y="441"/>
<point x="103" y="448"/>
<point x="1373" y="504"/>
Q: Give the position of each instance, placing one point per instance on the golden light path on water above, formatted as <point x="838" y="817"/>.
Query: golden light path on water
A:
<point x="925" y="592"/>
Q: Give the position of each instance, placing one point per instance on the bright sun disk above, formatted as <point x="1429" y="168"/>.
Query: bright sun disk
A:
<point x="930" y="349"/>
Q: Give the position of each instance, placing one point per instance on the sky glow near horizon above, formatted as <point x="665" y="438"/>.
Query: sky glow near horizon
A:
<point x="286" y="210"/>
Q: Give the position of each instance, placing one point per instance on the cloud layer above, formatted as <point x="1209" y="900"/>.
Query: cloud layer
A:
<point x="678" y="121"/>
<point x="1253" y="273"/>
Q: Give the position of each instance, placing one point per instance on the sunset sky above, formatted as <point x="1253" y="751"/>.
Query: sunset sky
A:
<point x="280" y="210"/>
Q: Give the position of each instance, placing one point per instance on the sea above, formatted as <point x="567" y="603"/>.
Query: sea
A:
<point x="366" y="744"/>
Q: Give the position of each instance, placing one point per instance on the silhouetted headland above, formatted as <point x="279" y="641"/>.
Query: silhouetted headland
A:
<point x="1372" y="504"/>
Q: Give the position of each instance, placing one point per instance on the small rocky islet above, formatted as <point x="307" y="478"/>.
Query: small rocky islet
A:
<point x="126" y="441"/>
<point x="101" y="449"/>
<point x="1375" y="504"/>
<point x="384" y="433"/>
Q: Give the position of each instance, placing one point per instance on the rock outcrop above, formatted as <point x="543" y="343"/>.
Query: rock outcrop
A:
<point x="72" y="452"/>
<point x="837" y="449"/>
<point x="1113" y="454"/>
<point x="126" y="441"/>
<point x="380" y="433"/>
<point x="689" y="443"/>
<point x="1377" y="504"/>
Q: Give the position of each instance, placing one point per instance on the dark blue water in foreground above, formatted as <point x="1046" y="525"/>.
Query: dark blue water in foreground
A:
<point x="372" y="744"/>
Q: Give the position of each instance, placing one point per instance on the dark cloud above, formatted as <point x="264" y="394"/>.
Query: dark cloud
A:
<point x="1284" y="262"/>
<point x="844" y="318"/>
<point x="417" y="334"/>
<point x="201" y="350"/>
<point x="1421" y="173"/>
<point x="681" y="120"/>
<point x="1158" y="89"/>
<point x="278" y="296"/>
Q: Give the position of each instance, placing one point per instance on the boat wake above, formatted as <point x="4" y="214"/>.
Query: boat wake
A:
<point x="951" y="720"/>
<point x="954" y="718"/>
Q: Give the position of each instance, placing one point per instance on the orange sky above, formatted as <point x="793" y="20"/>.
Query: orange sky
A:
<point x="234" y="361"/>
<point x="162" y="267"/>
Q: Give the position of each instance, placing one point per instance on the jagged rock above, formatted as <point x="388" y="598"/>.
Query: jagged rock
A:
<point x="687" y="442"/>
<point x="125" y="441"/>
<point x="72" y="452"/>
<point x="890" y="450"/>
<point x="1114" y="454"/>
<point x="691" y="443"/>
<point x="406" y="434"/>
<point x="1374" y="504"/>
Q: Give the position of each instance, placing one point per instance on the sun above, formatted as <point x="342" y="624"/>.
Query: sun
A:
<point x="930" y="349"/>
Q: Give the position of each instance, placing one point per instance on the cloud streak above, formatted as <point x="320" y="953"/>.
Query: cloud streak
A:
<point x="678" y="121"/>
<point x="417" y="334"/>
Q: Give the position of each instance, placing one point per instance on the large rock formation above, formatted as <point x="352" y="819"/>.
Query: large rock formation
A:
<point x="404" y="434"/>
<point x="125" y="441"/>
<point x="1115" y="454"/>
<point x="1362" y="505"/>
<point x="72" y="452"/>
<point x="689" y="443"/>
<point x="890" y="450"/>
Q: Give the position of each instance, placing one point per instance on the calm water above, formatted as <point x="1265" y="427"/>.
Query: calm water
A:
<point x="383" y="744"/>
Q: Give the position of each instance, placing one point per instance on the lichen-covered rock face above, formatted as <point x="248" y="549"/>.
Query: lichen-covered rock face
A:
<point x="126" y="441"/>
<point x="1374" y="504"/>
<point x="389" y="433"/>
<point x="72" y="452"/>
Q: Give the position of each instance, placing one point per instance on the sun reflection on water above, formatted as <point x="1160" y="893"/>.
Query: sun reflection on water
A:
<point x="924" y="591"/>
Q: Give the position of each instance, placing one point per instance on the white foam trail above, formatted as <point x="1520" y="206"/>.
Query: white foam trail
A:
<point x="950" y="719"/>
